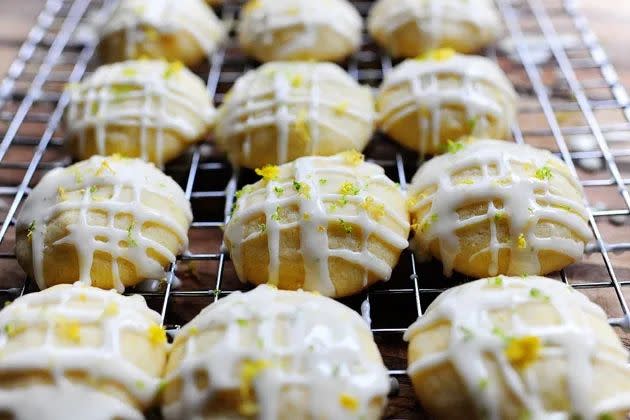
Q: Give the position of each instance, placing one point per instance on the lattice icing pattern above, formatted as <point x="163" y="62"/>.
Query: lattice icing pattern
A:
<point x="185" y="30"/>
<point x="149" y="109"/>
<point x="410" y="27"/>
<point x="492" y="207"/>
<point x="328" y="224"/>
<point x="442" y="96"/>
<point x="509" y="347"/>
<point x="282" y="111"/>
<point x="80" y="352"/>
<point x="111" y="222"/>
<point x="273" y="30"/>
<point x="275" y="355"/>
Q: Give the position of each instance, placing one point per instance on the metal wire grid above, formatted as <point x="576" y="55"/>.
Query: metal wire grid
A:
<point x="32" y="104"/>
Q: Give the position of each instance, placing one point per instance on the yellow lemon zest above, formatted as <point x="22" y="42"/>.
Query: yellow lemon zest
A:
<point x="296" y="80"/>
<point x="249" y="371"/>
<point x="374" y="209"/>
<point x="61" y="192"/>
<point x="157" y="335"/>
<point x="104" y="167"/>
<point x="69" y="330"/>
<point x="348" y="402"/>
<point x="30" y="230"/>
<point x="353" y="157"/>
<point x="348" y="188"/>
<point x="302" y="126"/>
<point x="111" y="309"/>
<point x="129" y="72"/>
<point x="268" y="172"/>
<point x="172" y="69"/>
<point x="523" y="351"/>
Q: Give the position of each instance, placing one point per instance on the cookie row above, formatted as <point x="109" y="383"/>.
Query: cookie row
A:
<point x="285" y="110"/>
<point x="502" y="347"/>
<point x="333" y="224"/>
<point x="79" y="352"/>
<point x="277" y="30"/>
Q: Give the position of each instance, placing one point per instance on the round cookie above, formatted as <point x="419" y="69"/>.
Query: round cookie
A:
<point x="78" y="352"/>
<point x="282" y="111"/>
<point x="334" y="225"/>
<point x="425" y="102"/>
<point x="274" y="30"/>
<point x="108" y="222"/>
<point x="149" y="109"/>
<point x="182" y="30"/>
<point x="278" y="355"/>
<point x="492" y="207"/>
<point x="517" y="348"/>
<point x="407" y="28"/>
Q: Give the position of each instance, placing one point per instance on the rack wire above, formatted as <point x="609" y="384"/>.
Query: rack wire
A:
<point x="569" y="92"/>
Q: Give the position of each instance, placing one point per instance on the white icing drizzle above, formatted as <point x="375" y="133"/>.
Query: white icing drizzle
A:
<point x="527" y="200"/>
<point x="473" y="338"/>
<point x="166" y="17"/>
<point x="323" y="353"/>
<point x="431" y="17"/>
<point x="45" y="202"/>
<point x="264" y="18"/>
<point x="314" y="246"/>
<point x="269" y="97"/>
<point x="421" y="88"/>
<point x="63" y="398"/>
<point x="110" y="96"/>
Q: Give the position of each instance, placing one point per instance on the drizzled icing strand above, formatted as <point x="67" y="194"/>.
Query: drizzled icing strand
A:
<point x="474" y="337"/>
<point x="139" y="94"/>
<point x="316" y="205"/>
<point x="264" y="18"/>
<point x="422" y="80"/>
<point x="77" y="189"/>
<point x="297" y="339"/>
<point x="65" y="309"/>
<point x="140" y="19"/>
<point x="431" y="17"/>
<point x="528" y="197"/>
<point x="274" y="95"/>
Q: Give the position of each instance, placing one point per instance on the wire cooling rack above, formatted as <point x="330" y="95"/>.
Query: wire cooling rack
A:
<point x="571" y="103"/>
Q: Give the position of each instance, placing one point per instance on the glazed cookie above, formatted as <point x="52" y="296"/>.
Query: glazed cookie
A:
<point x="109" y="222"/>
<point x="443" y="96"/>
<point x="78" y="352"/>
<point x="272" y="30"/>
<point x="274" y="354"/>
<point x="329" y="224"/>
<point x="518" y="348"/>
<point x="282" y="111"/>
<point x="407" y="28"/>
<point x="182" y="30"/>
<point x="492" y="207"/>
<point x="148" y="109"/>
